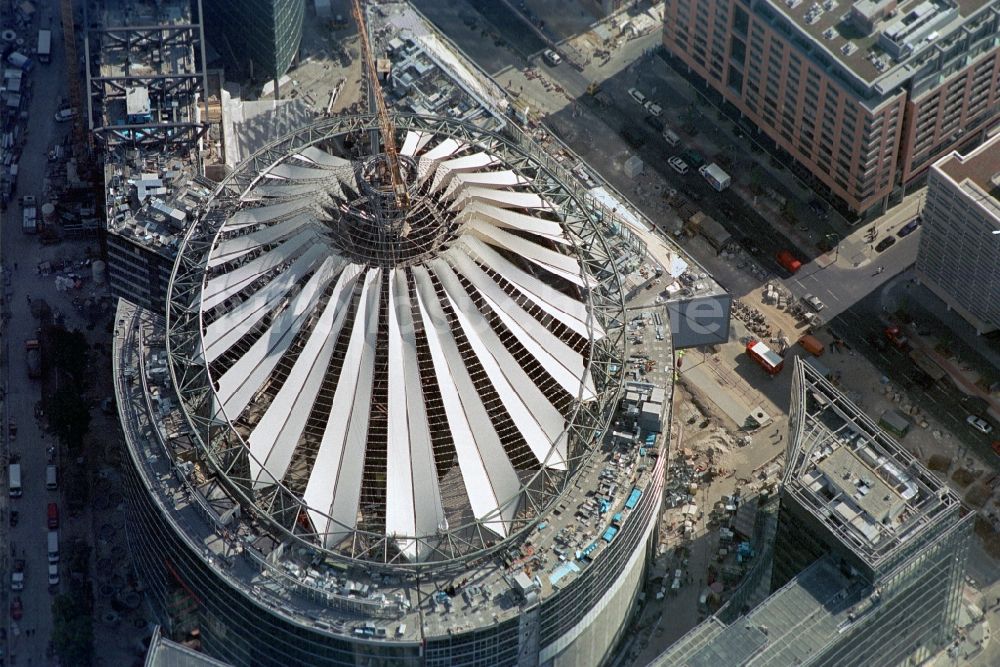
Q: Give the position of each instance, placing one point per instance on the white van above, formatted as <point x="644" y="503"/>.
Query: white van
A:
<point x="53" y="546"/>
<point x="51" y="477"/>
<point x="670" y="137"/>
<point x="14" y="478"/>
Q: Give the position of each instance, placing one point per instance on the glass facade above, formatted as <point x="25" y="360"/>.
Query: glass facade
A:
<point x="258" y="39"/>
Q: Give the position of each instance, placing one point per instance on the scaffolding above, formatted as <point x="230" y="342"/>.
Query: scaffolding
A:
<point x="492" y="298"/>
<point x="146" y="74"/>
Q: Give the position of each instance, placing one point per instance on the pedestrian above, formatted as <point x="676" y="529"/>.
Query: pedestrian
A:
<point x="781" y="437"/>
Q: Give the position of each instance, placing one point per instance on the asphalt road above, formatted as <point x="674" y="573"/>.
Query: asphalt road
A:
<point x="29" y="637"/>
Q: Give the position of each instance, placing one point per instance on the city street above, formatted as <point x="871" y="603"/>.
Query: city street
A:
<point x="29" y="637"/>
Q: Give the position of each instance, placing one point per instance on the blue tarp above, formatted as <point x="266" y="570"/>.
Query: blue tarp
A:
<point x="586" y="552"/>
<point x="609" y="534"/>
<point x="633" y="499"/>
<point x="562" y="571"/>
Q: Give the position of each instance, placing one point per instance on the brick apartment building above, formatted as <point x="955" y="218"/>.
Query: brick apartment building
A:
<point x="865" y="94"/>
<point x="959" y="256"/>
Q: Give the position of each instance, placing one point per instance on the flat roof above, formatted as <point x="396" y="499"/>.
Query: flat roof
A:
<point x="869" y="492"/>
<point x="793" y="624"/>
<point x="977" y="173"/>
<point x="846" y="474"/>
<point x="900" y="30"/>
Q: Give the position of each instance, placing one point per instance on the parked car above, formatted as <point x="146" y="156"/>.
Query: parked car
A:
<point x="813" y="302"/>
<point x="16" y="608"/>
<point x="53" y="574"/>
<point x="551" y="57"/>
<point x="653" y="108"/>
<point x="636" y="95"/>
<point x="908" y="228"/>
<point x="678" y="165"/>
<point x="979" y="424"/>
<point x="885" y="243"/>
<point x="693" y="158"/>
<point x="654" y="123"/>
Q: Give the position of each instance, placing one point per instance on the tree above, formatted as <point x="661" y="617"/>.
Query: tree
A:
<point x="788" y="211"/>
<point x="73" y="627"/>
<point x="69" y="416"/>
<point x="69" y="355"/>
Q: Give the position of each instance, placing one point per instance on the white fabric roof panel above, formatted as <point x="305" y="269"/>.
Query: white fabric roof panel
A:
<point x="319" y="156"/>
<point x="414" y="142"/>
<point x="486" y="471"/>
<point x="233" y="324"/>
<point x="540" y="424"/>
<point x="228" y="249"/>
<point x="447" y="169"/>
<point x="284" y="191"/>
<point x="220" y="288"/>
<point x="347" y="492"/>
<point x="561" y="362"/>
<point x="501" y="198"/>
<point x="502" y="217"/>
<point x="297" y="173"/>
<point x="484" y="179"/>
<point x="259" y="214"/>
<point x="446" y="148"/>
<point x="276" y="435"/>
<point x="569" y="311"/>
<point x="564" y="266"/>
<point x="237" y="386"/>
<point x="335" y="448"/>
<point x="413" y="499"/>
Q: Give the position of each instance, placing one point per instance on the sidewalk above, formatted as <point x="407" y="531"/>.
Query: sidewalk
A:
<point x="973" y="352"/>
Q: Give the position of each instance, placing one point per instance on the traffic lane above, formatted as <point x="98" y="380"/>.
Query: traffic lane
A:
<point x="740" y="220"/>
<point x="939" y="399"/>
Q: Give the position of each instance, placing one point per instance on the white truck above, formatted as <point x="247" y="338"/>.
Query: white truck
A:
<point x="29" y="215"/>
<point x="14" y="480"/>
<point x="53" y="546"/>
<point x="44" y="50"/>
<point x="715" y="176"/>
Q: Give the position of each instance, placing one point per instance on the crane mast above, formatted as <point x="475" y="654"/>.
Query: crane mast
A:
<point x="384" y="121"/>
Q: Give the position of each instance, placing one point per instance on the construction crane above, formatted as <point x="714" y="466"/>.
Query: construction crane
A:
<point x="384" y="121"/>
<point x="80" y="148"/>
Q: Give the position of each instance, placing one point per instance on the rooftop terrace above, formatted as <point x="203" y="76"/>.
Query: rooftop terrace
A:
<point x="875" y="39"/>
<point x="872" y="495"/>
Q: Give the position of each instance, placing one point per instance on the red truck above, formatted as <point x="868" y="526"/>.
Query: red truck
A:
<point x="766" y="358"/>
<point x="788" y="261"/>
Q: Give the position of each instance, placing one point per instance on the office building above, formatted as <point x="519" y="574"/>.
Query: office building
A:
<point x="365" y="435"/>
<point x="147" y="112"/>
<point x="257" y="39"/>
<point x="869" y="556"/>
<point x="959" y="256"/>
<point x="864" y="94"/>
